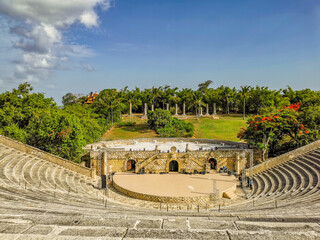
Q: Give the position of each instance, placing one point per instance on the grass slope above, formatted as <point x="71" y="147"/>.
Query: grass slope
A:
<point x="140" y="130"/>
<point x="225" y="128"/>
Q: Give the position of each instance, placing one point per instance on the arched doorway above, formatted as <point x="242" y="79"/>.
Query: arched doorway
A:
<point x="131" y="165"/>
<point x="173" y="166"/>
<point x="213" y="163"/>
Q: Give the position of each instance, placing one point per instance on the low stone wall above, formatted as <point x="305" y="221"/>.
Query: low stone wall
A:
<point x="164" y="199"/>
<point x="161" y="140"/>
<point x="47" y="156"/>
<point x="271" y="163"/>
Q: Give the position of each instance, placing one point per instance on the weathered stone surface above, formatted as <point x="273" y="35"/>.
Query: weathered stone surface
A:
<point x="176" y="234"/>
<point x="41" y="230"/>
<point x="108" y="222"/>
<point x="278" y="226"/>
<point x="147" y="223"/>
<point x="8" y="236"/>
<point x="264" y="235"/>
<point x="175" y="224"/>
<point x="94" y="232"/>
<point x="13" y="228"/>
<point x="214" y="225"/>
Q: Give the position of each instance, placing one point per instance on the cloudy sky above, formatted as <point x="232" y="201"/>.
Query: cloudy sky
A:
<point x="81" y="46"/>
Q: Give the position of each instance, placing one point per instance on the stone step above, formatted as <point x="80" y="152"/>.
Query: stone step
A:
<point x="229" y="194"/>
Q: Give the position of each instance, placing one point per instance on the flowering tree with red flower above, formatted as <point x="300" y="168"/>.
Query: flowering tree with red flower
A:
<point x="268" y="130"/>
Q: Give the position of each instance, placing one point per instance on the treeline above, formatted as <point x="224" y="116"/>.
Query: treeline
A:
<point x="38" y="121"/>
<point x="250" y="100"/>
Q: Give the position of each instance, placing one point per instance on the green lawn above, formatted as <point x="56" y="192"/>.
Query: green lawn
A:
<point x="225" y="128"/>
<point x="140" y="130"/>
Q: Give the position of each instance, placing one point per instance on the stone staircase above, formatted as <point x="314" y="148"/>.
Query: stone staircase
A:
<point x="229" y="194"/>
<point x="42" y="200"/>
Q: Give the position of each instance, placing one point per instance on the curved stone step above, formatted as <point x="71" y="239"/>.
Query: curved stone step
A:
<point x="274" y="182"/>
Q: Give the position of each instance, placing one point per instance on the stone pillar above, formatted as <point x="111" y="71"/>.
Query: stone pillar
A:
<point x="184" y="109"/>
<point x="168" y="106"/>
<point x="237" y="164"/>
<point x="176" y="112"/>
<point x="145" y="114"/>
<point x="207" y="109"/>
<point x="152" y="107"/>
<point x="130" y="109"/>
<point x="214" y="109"/>
<point x="104" y="170"/>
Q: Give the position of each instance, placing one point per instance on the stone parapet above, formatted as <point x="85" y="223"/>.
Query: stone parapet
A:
<point x="273" y="162"/>
<point x="47" y="156"/>
<point x="164" y="199"/>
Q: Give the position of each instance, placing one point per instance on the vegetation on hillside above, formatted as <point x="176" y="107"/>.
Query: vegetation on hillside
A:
<point x="167" y="126"/>
<point x="282" y="129"/>
<point x="34" y="119"/>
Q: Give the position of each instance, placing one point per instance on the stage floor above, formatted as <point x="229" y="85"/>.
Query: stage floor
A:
<point x="175" y="184"/>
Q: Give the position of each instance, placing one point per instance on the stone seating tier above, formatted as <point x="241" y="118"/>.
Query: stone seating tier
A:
<point x="42" y="200"/>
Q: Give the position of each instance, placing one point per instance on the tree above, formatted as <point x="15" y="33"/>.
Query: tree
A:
<point x="185" y="96"/>
<point x="69" y="99"/>
<point x="105" y="104"/>
<point x="168" y="126"/>
<point x="227" y="95"/>
<point x="202" y="87"/>
<point x="268" y="130"/>
<point x="197" y="97"/>
<point x="244" y="94"/>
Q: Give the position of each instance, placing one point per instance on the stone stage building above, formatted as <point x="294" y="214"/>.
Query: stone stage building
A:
<point x="168" y="155"/>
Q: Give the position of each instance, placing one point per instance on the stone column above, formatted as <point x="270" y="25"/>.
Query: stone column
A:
<point x="130" y="109"/>
<point x="214" y="109"/>
<point x="145" y="115"/>
<point x="152" y="107"/>
<point x="145" y="109"/>
<point x="207" y="109"/>
<point x="184" y="109"/>
<point x="176" y="112"/>
<point x="237" y="164"/>
<point x="167" y="106"/>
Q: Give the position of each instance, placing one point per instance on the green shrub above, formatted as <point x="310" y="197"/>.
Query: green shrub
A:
<point x="126" y="124"/>
<point x="168" y="126"/>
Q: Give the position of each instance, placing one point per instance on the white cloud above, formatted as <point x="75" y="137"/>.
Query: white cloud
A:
<point x="37" y="28"/>
<point x="89" y="19"/>
<point x="89" y="68"/>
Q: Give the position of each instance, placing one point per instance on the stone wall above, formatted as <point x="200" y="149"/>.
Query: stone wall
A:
<point x="164" y="199"/>
<point x="47" y="156"/>
<point x="130" y="142"/>
<point x="271" y="163"/>
<point x="156" y="162"/>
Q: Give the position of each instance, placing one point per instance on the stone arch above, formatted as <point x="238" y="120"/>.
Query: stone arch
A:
<point x="173" y="166"/>
<point x="130" y="165"/>
<point x="213" y="163"/>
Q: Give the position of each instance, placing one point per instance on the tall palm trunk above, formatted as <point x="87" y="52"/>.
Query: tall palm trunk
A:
<point x="244" y="108"/>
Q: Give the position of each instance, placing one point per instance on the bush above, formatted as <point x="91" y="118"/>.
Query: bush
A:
<point x="126" y="124"/>
<point x="168" y="126"/>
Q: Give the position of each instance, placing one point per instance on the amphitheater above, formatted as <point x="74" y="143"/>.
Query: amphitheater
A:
<point x="46" y="197"/>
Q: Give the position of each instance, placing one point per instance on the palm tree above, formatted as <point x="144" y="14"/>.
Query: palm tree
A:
<point x="226" y="95"/>
<point x="197" y="96"/>
<point x="244" y="93"/>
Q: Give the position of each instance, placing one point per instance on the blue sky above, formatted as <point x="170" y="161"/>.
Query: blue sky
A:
<point x="181" y="43"/>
